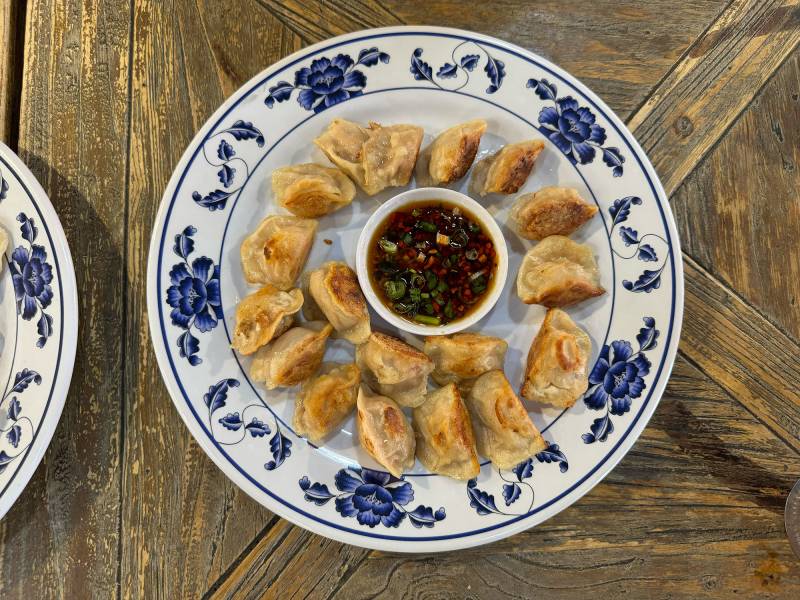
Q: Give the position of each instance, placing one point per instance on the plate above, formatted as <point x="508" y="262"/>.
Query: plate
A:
<point x="435" y="78"/>
<point x="38" y="325"/>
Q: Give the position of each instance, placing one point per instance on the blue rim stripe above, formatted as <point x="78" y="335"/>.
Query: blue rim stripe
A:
<point x="574" y="84"/>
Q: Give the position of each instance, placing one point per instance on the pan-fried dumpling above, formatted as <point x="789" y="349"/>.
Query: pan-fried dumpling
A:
<point x="293" y="357"/>
<point x="445" y="442"/>
<point x="558" y="272"/>
<point x="504" y="433"/>
<point x="264" y="315"/>
<point x="376" y="157"/>
<point x="326" y="400"/>
<point x="453" y="151"/>
<point x="462" y="357"/>
<point x="557" y="368"/>
<point x="311" y="190"/>
<point x="505" y="171"/>
<point x="384" y="432"/>
<point x="334" y="287"/>
<point x="276" y="252"/>
<point x="395" y="369"/>
<point x="550" y="211"/>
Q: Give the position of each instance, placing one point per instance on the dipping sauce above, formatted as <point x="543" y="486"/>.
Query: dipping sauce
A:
<point x="431" y="262"/>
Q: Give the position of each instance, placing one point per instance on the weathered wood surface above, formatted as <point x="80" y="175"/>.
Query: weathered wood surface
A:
<point x="126" y="504"/>
<point x="11" y="35"/>
<point x="62" y="537"/>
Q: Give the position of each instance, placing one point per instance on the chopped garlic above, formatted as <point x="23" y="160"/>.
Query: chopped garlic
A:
<point x="442" y="239"/>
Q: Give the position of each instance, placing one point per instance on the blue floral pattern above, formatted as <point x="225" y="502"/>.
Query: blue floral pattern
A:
<point x="18" y="428"/>
<point x="32" y="275"/>
<point x="484" y="503"/>
<point x="372" y="497"/>
<point x="573" y="129"/>
<point x="3" y="187"/>
<point x="194" y="295"/>
<point x="650" y="279"/>
<point x="327" y="82"/>
<point x="617" y="379"/>
<point x="455" y="74"/>
<point x="238" y="421"/>
<point x="225" y="158"/>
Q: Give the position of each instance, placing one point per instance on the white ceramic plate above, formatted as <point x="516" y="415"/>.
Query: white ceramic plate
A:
<point x="38" y="325"/>
<point x="434" y="78"/>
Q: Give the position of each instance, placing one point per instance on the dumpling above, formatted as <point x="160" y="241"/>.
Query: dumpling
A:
<point x="335" y="290"/>
<point x="326" y="400"/>
<point x="264" y="315"/>
<point x="293" y="357"/>
<point x="550" y="211"/>
<point x="276" y="252"/>
<point x="505" y="171"/>
<point x="557" y="368"/>
<point x="460" y="358"/>
<point x="384" y="432"/>
<point x="311" y="190"/>
<point x="395" y="369"/>
<point x="445" y="441"/>
<point x="453" y="151"/>
<point x="558" y="272"/>
<point x="342" y="142"/>
<point x="376" y="157"/>
<point x="504" y="433"/>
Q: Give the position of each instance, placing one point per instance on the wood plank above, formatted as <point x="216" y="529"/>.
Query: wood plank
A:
<point x="743" y="352"/>
<point x="620" y="49"/>
<point x="724" y="70"/>
<point x="738" y="214"/>
<point x="61" y="537"/>
<point x="12" y="20"/>
<point x="694" y="509"/>
<point x="180" y="536"/>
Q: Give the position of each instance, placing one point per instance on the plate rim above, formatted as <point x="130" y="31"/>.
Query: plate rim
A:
<point x="380" y="542"/>
<point x="69" y="342"/>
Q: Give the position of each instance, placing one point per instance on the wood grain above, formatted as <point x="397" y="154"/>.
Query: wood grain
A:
<point x="706" y="521"/>
<point x="641" y="40"/>
<point x="689" y="111"/>
<point x="183" y="521"/>
<point x="60" y="539"/>
<point x="11" y="35"/>
<point x="738" y="212"/>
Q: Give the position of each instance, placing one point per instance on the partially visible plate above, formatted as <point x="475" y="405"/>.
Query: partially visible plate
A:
<point x="38" y="325"/>
<point x="435" y="78"/>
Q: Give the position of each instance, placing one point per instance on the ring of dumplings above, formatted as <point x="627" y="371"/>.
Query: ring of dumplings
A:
<point x="475" y="411"/>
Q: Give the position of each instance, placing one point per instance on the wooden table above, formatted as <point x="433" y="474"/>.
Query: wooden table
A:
<point x="100" y="98"/>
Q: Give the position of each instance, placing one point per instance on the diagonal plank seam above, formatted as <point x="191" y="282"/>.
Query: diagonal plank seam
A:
<point x="288" y="23"/>
<point x="125" y="281"/>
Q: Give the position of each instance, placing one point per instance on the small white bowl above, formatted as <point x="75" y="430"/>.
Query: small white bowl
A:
<point x="451" y="197"/>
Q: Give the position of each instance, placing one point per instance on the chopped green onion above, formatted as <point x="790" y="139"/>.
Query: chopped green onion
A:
<point x="459" y="239"/>
<point x="474" y="228"/>
<point x="477" y="274"/>
<point x="394" y="289"/>
<point x="448" y="310"/>
<point x="417" y="280"/>
<point x="387" y="246"/>
<point x="428" y="308"/>
<point x="442" y="286"/>
<point x="408" y="239"/>
<point x="478" y="289"/>
<point x="403" y="308"/>
<point x="414" y="294"/>
<point x="416" y="212"/>
<point x="431" y="280"/>
<point x="471" y="254"/>
<point x="425" y="295"/>
<point x="427" y="320"/>
<point x="427" y="226"/>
